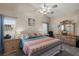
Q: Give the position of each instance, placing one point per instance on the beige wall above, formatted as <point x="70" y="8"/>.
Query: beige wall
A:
<point x="74" y="17"/>
<point x="22" y="13"/>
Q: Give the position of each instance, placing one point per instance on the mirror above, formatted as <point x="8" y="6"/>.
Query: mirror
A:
<point x="67" y="27"/>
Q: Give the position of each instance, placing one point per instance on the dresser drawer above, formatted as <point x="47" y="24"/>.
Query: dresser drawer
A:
<point x="7" y="44"/>
<point x="7" y="49"/>
<point x="16" y="43"/>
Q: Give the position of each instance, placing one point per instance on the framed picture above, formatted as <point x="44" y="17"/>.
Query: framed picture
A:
<point x="31" y="21"/>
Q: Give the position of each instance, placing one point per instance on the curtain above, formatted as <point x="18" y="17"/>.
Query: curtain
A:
<point x="1" y="32"/>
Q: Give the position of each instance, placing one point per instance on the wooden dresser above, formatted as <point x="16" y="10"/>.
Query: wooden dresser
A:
<point x="68" y="39"/>
<point x="10" y="46"/>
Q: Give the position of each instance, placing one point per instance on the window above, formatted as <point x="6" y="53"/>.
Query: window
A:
<point x="62" y="27"/>
<point x="44" y="28"/>
<point x="9" y="21"/>
<point x="9" y="26"/>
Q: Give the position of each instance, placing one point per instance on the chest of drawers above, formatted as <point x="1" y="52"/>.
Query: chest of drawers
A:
<point x="10" y="46"/>
<point x="68" y="39"/>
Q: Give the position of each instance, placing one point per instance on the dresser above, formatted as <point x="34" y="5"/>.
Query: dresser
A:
<point x="10" y="46"/>
<point x="68" y="39"/>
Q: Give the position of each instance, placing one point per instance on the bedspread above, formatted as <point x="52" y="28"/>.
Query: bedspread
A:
<point x="34" y="45"/>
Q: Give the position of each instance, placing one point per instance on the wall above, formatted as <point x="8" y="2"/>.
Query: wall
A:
<point x="74" y="18"/>
<point x="22" y="12"/>
<point x="29" y="12"/>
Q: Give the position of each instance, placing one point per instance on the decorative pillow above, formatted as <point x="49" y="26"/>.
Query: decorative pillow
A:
<point x="39" y="34"/>
<point x="24" y="37"/>
<point x="35" y="34"/>
<point x="31" y="35"/>
<point x="42" y="34"/>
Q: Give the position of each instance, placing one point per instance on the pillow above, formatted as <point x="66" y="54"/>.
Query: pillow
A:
<point x="35" y="34"/>
<point x="40" y="34"/>
<point x="24" y="37"/>
<point x="31" y="35"/>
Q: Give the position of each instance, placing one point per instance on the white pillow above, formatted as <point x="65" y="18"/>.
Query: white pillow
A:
<point x="25" y="37"/>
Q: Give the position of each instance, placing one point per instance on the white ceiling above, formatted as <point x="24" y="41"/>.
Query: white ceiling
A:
<point x="63" y="9"/>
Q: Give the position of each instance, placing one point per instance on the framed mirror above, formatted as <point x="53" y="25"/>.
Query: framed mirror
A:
<point x="67" y="27"/>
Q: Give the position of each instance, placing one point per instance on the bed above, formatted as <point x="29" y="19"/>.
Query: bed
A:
<point x="38" y="44"/>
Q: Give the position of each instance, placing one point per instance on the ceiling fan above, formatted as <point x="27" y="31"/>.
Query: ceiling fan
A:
<point x="47" y="9"/>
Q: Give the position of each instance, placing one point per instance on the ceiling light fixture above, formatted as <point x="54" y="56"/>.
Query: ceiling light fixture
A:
<point x="46" y="9"/>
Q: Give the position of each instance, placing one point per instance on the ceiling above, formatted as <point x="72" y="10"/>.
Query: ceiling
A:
<point x="62" y="9"/>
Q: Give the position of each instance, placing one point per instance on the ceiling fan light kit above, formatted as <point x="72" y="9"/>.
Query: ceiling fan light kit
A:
<point x="46" y="9"/>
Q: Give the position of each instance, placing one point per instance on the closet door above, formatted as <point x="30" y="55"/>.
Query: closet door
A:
<point x="1" y="33"/>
